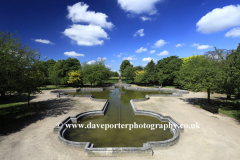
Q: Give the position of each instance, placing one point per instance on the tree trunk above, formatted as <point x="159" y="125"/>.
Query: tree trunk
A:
<point x="28" y="98"/>
<point x="91" y="84"/>
<point x="3" y="96"/>
<point x="208" y="95"/>
<point x="228" y="96"/>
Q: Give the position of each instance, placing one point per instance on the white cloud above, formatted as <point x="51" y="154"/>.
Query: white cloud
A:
<point x="129" y="58"/>
<point x="78" y="13"/>
<point x="73" y="54"/>
<point x="152" y="51"/>
<point x="119" y="56"/>
<point x="204" y="47"/>
<point x="195" y="45"/>
<point x="91" y="62"/>
<point x="235" y="32"/>
<point x="108" y="66"/>
<point x="86" y="35"/>
<point x="200" y="47"/>
<point x="146" y="18"/>
<point x="180" y="45"/>
<point x="43" y="41"/>
<point x="219" y="19"/>
<point x="139" y="6"/>
<point x="159" y="43"/>
<point x="140" y="32"/>
<point x="141" y="50"/>
<point x="146" y="60"/>
<point x="112" y="60"/>
<point x="130" y="62"/>
<point x="103" y="58"/>
<point x="163" y="53"/>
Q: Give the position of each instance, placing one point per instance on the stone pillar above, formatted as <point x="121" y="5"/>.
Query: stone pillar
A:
<point x="120" y="80"/>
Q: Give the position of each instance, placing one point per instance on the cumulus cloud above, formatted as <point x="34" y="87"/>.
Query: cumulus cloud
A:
<point x="235" y="32"/>
<point x="78" y="13"/>
<point x="119" y="56"/>
<point x="103" y="58"/>
<point x="129" y="58"/>
<point x="204" y="47"/>
<point x="200" y="47"/>
<point x="146" y="60"/>
<point x="86" y="35"/>
<point x="163" y="53"/>
<point x="159" y="43"/>
<point x="195" y="45"/>
<point x="139" y="6"/>
<point x="91" y="62"/>
<point x="146" y="18"/>
<point x="45" y="41"/>
<point x="152" y="51"/>
<point x="139" y="32"/>
<point x="141" y="50"/>
<point x="108" y="66"/>
<point x="73" y="54"/>
<point x="219" y="19"/>
<point x="180" y="45"/>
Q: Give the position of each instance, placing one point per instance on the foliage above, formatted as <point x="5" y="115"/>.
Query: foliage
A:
<point x="140" y="77"/>
<point x="128" y="72"/>
<point x="198" y="73"/>
<point x="19" y="66"/>
<point x="151" y="72"/>
<point x="74" y="77"/>
<point x="125" y="64"/>
<point x="95" y="72"/>
<point x="169" y="66"/>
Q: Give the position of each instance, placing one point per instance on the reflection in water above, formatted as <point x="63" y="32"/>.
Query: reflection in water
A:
<point x="118" y="111"/>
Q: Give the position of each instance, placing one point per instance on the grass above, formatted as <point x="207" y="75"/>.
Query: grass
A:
<point x="11" y="104"/>
<point x="12" y="112"/>
<point x="49" y="87"/>
<point x="230" y="108"/>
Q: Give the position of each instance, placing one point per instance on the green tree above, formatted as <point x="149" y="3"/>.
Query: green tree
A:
<point x="140" y="77"/>
<point x="124" y="65"/>
<point x="129" y="72"/>
<point x="150" y="70"/>
<point x="15" y="58"/>
<point x="169" y="66"/>
<point x="54" y="73"/>
<point x="200" y="73"/>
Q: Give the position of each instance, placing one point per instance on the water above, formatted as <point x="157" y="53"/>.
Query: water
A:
<point x="118" y="111"/>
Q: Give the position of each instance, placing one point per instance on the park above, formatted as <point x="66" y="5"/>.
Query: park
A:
<point x="39" y="98"/>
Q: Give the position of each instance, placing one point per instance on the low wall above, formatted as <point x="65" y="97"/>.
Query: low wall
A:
<point x="146" y="150"/>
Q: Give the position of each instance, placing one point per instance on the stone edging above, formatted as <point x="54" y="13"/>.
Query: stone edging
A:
<point x="113" y="151"/>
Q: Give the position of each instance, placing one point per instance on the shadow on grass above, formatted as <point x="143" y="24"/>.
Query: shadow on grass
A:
<point x="230" y="107"/>
<point x="15" y="118"/>
<point x="15" y="99"/>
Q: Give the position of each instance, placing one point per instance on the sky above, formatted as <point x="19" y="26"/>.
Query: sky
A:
<point x="117" y="30"/>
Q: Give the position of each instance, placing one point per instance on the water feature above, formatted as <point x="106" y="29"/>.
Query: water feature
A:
<point x="118" y="111"/>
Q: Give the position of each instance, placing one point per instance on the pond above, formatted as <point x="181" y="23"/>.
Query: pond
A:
<point x="118" y="111"/>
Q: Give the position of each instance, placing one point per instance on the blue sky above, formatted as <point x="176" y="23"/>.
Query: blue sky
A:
<point x="137" y="30"/>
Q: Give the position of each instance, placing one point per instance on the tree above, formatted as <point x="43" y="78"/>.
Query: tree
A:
<point x="74" y="77"/>
<point x="129" y="73"/>
<point x="138" y="68"/>
<point x="200" y="73"/>
<point x="140" y="77"/>
<point x="15" y="59"/>
<point x="150" y="71"/>
<point x="169" y="66"/>
<point x="54" y="72"/>
<point x="32" y="79"/>
<point x="95" y="72"/>
<point x="125" y="64"/>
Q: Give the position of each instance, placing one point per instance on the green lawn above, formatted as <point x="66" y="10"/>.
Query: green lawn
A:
<point x="230" y="108"/>
<point x="49" y="87"/>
